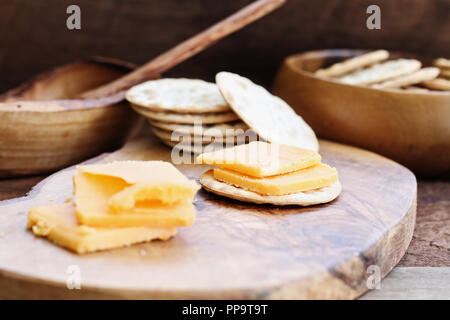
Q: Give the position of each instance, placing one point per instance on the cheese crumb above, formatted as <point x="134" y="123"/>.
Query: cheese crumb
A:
<point x="68" y="200"/>
<point x="41" y="229"/>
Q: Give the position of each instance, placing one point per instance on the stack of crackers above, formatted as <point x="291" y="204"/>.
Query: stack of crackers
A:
<point x="197" y="116"/>
<point x="373" y="69"/>
<point x="187" y="114"/>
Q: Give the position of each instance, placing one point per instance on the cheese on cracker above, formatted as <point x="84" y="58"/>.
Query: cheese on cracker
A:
<point x="260" y="159"/>
<point x="260" y="172"/>
<point x="306" y="198"/>
<point x="310" y="178"/>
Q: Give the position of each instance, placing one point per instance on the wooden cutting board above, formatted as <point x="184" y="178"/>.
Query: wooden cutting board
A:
<point x="234" y="250"/>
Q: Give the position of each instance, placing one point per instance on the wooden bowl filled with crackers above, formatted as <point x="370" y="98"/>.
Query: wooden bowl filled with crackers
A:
<point x="395" y="104"/>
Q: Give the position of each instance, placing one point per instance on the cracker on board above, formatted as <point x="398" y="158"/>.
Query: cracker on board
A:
<point x="424" y="74"/>
<point x="382" y="72"/>
<point x="437" y="84"/>
<point x="269" y="116"/>
<point x="187" y="118"/>
<point x="306" y="198"/>
<point x="225" y="129"/>
<point x="196" y="148"/>
<point x="178" y="95"/>
<point x="176" y="136"/>
<point x="352" y="64"/>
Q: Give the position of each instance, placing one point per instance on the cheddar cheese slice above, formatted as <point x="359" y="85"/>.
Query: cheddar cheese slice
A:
<point x="260" y="159"/>
<point x="144" y="180"/>
<point x="133" y="195"/>
<point x="59" y="224"/>
<point x="311" y="178"/>
<point x="95" y="193"/>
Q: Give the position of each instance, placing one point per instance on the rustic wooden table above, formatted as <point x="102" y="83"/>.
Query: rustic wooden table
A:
<point x="424" y="271"/>
<point x="112" y="29"/>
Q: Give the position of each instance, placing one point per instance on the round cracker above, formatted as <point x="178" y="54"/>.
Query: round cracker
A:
<point x="437" y="84"/>
<point x="341" y="68"/>
<point x="424" y="74"/>
<point x="187" y="118"/>
<point x="178" y="95"/>
<point x="445" y="73"/>
<point x="307" y="198"/>
<point x="382" y="72"/>
<point x="442" y="63"/>
<point x="196" y="148"/>
<point x="198" y="139"/>
<point x="167" y="135"/>
<point x="226" y="129"/>
<point x="269" y="116"/>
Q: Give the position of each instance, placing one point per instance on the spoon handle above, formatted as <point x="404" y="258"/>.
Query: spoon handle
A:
<point x="187" y="48"/>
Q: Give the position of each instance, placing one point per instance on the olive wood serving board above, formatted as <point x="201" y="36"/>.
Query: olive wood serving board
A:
<point x="234" y="250"/>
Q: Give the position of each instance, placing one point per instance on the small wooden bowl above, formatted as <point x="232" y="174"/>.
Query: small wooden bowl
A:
<point x="44" y="127"/>
<point x="409" y="127"/>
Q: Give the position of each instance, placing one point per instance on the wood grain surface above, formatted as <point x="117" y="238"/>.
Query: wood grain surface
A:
<point x="235" y="250"/>
<point x="429" y="247"/>
<point x="138" y="30"/>
<point x="417" y="283"/>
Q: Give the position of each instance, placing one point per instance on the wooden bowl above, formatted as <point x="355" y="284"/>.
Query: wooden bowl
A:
<point x="410" y="128"/>
<point x="44" y="127"/>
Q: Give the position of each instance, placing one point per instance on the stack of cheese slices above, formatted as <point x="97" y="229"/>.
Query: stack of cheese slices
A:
<point x="118" y="204"/>
<point x="188" y="114"/>
<point x="373" y="69"/>
<point x="260" y="172"/>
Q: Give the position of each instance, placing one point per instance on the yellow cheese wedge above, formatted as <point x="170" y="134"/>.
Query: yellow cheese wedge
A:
<point x="58" y="223"/>
<point x="145" y="180"/>
<point x="315" y="177"/>
<point x="166" y="193"/>
<point x="260" y="159"/>
<point x="92" y="197"/>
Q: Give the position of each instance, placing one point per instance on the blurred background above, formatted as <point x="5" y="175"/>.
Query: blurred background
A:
<point x="34" y="35"/>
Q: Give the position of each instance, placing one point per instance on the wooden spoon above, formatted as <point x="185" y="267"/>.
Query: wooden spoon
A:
<point x="186" y="49"/>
